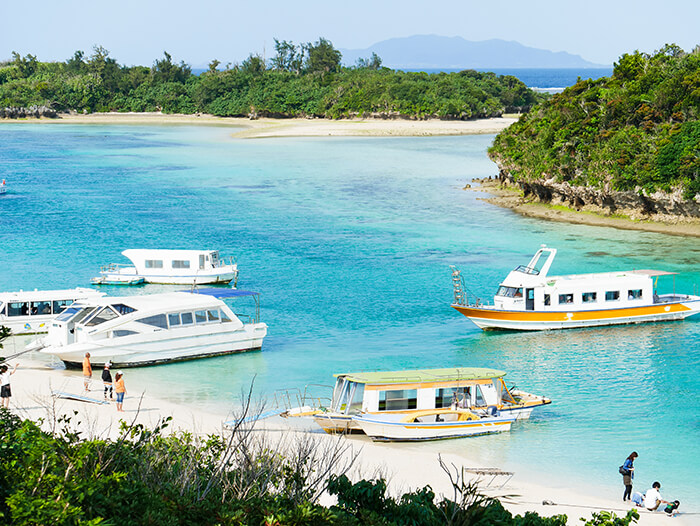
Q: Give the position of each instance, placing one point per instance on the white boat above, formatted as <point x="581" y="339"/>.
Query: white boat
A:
<point x="143" y="330"/>
<point x="431" y="424"/>
<point x="530" y="299"/>
<point x="31" y="312"/>
<point x="178" y="267"/>
<point x="406" y="393"/>
<point x="3" y="187"/>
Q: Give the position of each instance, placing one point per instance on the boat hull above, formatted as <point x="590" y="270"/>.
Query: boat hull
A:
<point x="112" y="278"/>
<point x="337" y="424"/>
<point x="491" y="318"/>
<point x="161" y="347"/>
<point x="390" y="431"/>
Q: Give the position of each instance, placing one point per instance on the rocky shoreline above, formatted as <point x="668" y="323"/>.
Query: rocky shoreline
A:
<point x="24" y="113"/>
<point x="658" y="212"/>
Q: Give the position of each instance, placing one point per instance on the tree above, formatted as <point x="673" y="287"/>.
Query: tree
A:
<point x="323" y="57"/>
<point x="165" y="70"/>
<point x="76" y="63"/>
<point x="254" y="64"/>
<point x="373" y="62"/>
<point x="26" y="66"/>
<point x="289" y="57"/>
<point x="213" y="65"/>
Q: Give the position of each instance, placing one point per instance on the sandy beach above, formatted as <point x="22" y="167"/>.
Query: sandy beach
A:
<point x="268" y="128"/>
<point x="513" y="200"/>
<point x="34" y="382"/>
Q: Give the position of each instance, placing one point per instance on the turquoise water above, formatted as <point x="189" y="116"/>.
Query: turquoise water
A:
<point x="350" y="241"/>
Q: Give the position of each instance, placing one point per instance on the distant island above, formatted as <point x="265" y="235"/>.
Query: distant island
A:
<point x="300" y="80"/>
<point x="626" y="145"/>
<point x="439" y="52"/>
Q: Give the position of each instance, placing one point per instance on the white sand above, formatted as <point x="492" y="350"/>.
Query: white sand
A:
<point x="406" y="467"/>
<point x="266" y="128"/>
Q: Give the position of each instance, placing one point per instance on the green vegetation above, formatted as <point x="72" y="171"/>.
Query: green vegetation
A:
<point x="149" y="477"/>
<point x="636" y="130"/>
<point x="299" y="81"/>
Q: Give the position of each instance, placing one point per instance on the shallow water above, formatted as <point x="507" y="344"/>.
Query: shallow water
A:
<point x="350" y="242"/>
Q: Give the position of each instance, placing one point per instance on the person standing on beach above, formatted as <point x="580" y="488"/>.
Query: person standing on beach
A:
<point x="87" y="371"/>
<point x="120" y="390"/>
<point x="5" y="391"/>
<point x="628" y="475"/>
<point x="107" y="379"/>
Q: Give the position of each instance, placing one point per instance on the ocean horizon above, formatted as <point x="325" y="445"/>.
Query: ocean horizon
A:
<point x="350" y="242"/>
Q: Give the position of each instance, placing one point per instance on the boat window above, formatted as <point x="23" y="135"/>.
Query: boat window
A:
<point x="158" y="320"/>
<point x="398" y="399"/>
<point x="181" y="263"/>
<point x="122" y="309"/>
<point x="154" y="263"/>
<point x="510" y="292"/>
<point x="174" y="320"/>
<point x="635" y="294"/>
<point x="357" y="397"/>
<point x="504" y="394"/>
<point x="41" y="307"/>
<point x="566" y="298"/>
<point x="589" y="297"/>
<point x="547" y="300"/>
<point x="2" y="308"/>
<point x="18" y="309"/>
<point x="68" y="313"/>
<point x="201" y="261"/>
<point x="201" y="316"/>
<point x="122" y="332"/>
<point x="84" y="313"/>
<point x="213" y="315"/>
<point x="443" y="397"/>
<point x="479" y="401"/>
<point x="224" y="317"/>
<point x="60" y="305"/>
<point x="342" y="390"/>
<point x="102" y="316"/>
<point x="612" y="295"/>
<point x="186" y="318"/>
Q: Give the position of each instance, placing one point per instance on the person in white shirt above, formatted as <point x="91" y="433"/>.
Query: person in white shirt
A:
<point x="652" y="499"/>
<point x="5" y="391"/>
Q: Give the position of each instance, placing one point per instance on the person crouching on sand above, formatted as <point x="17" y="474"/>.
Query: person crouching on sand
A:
<point x="120" y="390"/>
<point x="5" y="391"/>
<point x="107" y="379"/>
<point x="87" y="371"/>
<point x="652" y="498"/>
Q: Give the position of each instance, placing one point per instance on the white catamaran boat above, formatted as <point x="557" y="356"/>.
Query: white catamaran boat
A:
<point x="530" y="299"/>
<point x="150" y="329"/>
<point x="31" y="312"/>
<point x="401" y="394"/>
<point x="178" y="267"/>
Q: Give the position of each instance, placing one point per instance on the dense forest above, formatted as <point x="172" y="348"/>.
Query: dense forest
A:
<point x="153" y="477"/>
<point x="637" y="130"/>
<point x="305" y="80"/>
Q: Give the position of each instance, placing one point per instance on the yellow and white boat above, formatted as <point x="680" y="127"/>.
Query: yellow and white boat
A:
<point x="530" y="299"/>
<point x="395" y="395"/>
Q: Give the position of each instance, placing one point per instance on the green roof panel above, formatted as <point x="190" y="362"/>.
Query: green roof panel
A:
<point x="451" y="374"/>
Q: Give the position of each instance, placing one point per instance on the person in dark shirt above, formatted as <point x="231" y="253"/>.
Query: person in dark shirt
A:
<point x="107" y="379"/>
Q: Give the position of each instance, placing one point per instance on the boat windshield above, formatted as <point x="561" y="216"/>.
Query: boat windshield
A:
<point x="101" y="316"/>
<point x="75" y="313"/>
<point x="503" y="393"/>
<point x="510" y="292"/>
<point x="342" y="394"/>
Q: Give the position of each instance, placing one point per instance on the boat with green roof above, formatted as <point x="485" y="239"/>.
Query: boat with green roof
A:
<point x="481" y="391"/>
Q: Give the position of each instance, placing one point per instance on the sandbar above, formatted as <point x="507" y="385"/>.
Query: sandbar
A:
<point x="270" y="128"/>
<point x="35" y="379"/>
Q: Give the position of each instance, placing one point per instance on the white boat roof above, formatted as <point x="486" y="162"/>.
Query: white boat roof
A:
<point x="50" y="295"/>
<point x="163" y="252"/>
<point x="628" y="274"/>
<point x="174" y="300"/>
<point x="652" y="273"/>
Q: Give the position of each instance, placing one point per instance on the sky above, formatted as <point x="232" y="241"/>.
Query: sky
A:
<point x="137" y="32"/>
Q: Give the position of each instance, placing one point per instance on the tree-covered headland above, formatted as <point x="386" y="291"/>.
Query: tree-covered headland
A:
<point x="637" y="130"/>
<point x="300" y="80"/>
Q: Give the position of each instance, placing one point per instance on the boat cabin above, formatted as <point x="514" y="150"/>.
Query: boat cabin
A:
<point x="529" y="288"/>
<point x="167" y="262"/>
<point x="404" y="391"/>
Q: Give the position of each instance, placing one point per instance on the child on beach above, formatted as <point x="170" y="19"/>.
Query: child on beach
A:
<point x="120" y="390"/>
<point x="5" y="391"/>
<point x="87" y="371"/>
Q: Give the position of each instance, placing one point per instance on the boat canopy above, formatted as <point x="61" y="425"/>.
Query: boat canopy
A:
<point x="452" y="374"/>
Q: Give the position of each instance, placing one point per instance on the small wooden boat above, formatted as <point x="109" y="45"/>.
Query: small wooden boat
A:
<point x="432" y="424"/>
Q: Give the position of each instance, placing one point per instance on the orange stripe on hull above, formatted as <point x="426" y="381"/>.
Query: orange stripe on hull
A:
<point x="535" y="316"/>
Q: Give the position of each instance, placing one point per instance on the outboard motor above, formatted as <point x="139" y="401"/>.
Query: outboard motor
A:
<point x="492" y="410"/>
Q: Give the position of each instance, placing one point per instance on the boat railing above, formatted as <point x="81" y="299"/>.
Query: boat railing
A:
<point x="114" y="267"/>
<point x="461" y="292"/>
<point x="288" y="399"/>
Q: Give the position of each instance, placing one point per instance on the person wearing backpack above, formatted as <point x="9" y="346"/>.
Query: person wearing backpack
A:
<point x="627" y="472"/>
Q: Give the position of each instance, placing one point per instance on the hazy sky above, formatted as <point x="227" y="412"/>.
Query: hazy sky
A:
<point x="197" y="31"/>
